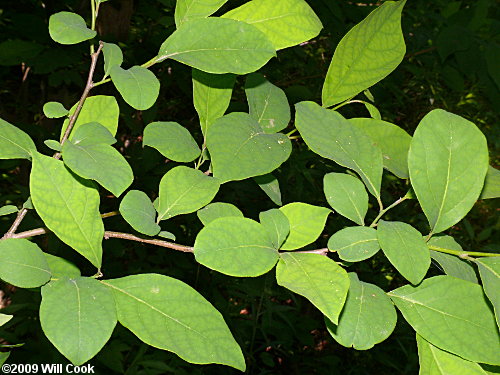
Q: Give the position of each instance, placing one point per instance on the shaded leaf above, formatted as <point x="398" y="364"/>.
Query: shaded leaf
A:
<point x="489" y="269"/>
<point x="69" y="28"/>
<point x="8" y="209"/>
<point x="54" y="110"/>
<point x="53" y="145"/>
<point x="60" y="267"/>
<point x="217" y="210"/>
<point x="491" y="188"/>
<point x="113" y="56"/>
<point x="14" y="143"/>
<point x="186" y="10"/>
<point x="276" y="224"/>
<point x="137" y="210"/>
<point x="270" y="185"/>
<point x="138" y="86"/>
<point x="354" y="244"/>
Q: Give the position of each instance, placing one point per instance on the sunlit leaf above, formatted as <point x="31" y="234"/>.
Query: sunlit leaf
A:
<point x="113" y="56"/>
<point x="14" y="143"/>
<point x="271" y="186"/>
<point x="451" y="264"/>
<point x="138" y="86"/>
<point x="276" y="224"/>
<point x="217" y="210"/>
<point x="489" y="269"/>
<point x="186" y="10"/>
<point x="354" y="244"/>
<point x="54" y="110"/>
<point x="69" y="28"/>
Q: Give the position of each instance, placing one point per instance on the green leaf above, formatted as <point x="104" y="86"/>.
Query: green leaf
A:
<point x="331" y="136"/>
<point x="391" y="139"/>
<point x="276" y="224"/>
<point x="60" y="267"/>
<point x="5" y="319"/>
<point x="405" y="248"/>
<point x="373" y="111"/>
<point x="489" y="269"/>
<point x="69" y="28"/>
<point x="235" y="246"/>
<point x="354" y="244"/>
<point x="8" y="209"/>
<point x="267" y="103"/>
<point x="306" y="224"/>
<point x="491" y="188"/>
<point x="167" y="235"/>
<point x="217" y="210"/>
<point x="368" y="317"/>
<point x="316" y="277"/>
<point x="68" y="205"/>
<point x="209" y="44"/>
<point x="434" y="361"/>
<point x="78" y="316"/>
<point x="3" y="357"/>
<point x="22" y="263"/>
<point x="446" y="186"/>
<point x="184" y="190"/>
<point x="53" y="144"/>
<point x="451" y="264"/>
<point x="113" y="56"/>
<point x="137" y="210"/>
<point x="211" y="96"/>
<point x="186" y="10"/>
<point x="100" y="108"/>
<point x="366" y="54"/>
<point x="271" y="186"/>
<point x="138" y="86"/>
<point x="347" y="195"/>
<point x="286" y="22"/>
<point x="453" y="315"/>
<point x="14" y="143"/>
<point x="239" y="148"/>
<point x="173" y="141"/>
<point x="54" y="110"/>
<point x="93" y="158"/>
<point x="184" y="322"/>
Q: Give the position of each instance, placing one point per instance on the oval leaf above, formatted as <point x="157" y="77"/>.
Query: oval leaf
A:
<point x="69" y="28"/>
<point x="68" y="205"/>
<point x="77" y="316"/>
<point x="186" y="10"/>
<point x="137" y="209"/>
<point x="14" y="143"/>
<point x="354" y="244"/>
<point x="239" y="148"/>
<point x="184" y="190"/>
<point x="446" y="186"/>
<point x="306" y="224"/>
<point x="184" y="322"/>
<point x="489" y="269"/>
<point x="217" y="210"/>
<point x="113" y="56"/>
<point x="405" y="248"/>
<point x="368" y="317"/>
<point x="22" y="263"/>
<point x="138" y="86"/>
<point x="54" y="110"/>
<point x="209" y="44"/>
<point x="7" y="210"/>
<point x="173" y="141"/>
<point x="316" y="277"/>
<point x="235" y="246"/>
<point x="460" y="309"/>
<point x="366" y="54"/>
<point x="276" y="224"/>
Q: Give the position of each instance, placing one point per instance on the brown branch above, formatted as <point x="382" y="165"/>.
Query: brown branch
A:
<point x="426" y="50"/>
<point x="131" y="237"/>
<point x="323" y="251"/>
<point x="20" y="216"/>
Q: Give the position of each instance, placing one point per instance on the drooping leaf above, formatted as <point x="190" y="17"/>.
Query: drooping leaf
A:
<point x="459" y="321"/>
<point x="286" y="22"/>
<point x="137" y="210"/>
<point x="368" y="317"/>
<point x="405" y="248"/>
<point x="78" y="316"/>
<point x="184" y="190"/>
<point x="217" y="210"/>
<point x="489" y="269"/>
<point x="316" y="277"/>
<point x="267" y="103"/>
<point x="239" y="148"/>
<point x="235" y="246"/>
<point x="347" y="195"/>
<point x="211" y="96"/>
<point x="306" y="224"/>
<point x="451" y="264"/>
<point x="276" y="224"/>
<point x="434" y="361"/>
<point x="331" y="136"/>
<point x="22" y="263"/>
<point x="92" y="157"/>
<point x="173" y="141"/>
<point x="60" y="267"/>
<point x="184" y="322"/>
<point x="186" y="10"/>
<point x="391" y="139"/>
<point x="100" y="108"/>
<point x="69" y="28"/>
<point x="53" y="145"/>
<point x="209" y="44"/>
<point x="354" y="244"/>
<point x="4" y="318"/>
<point x="54" y="110"/>
<point x="167" y="235"/>
<point x="138" y="86"/>
<point x="271" y="186"/>
<point x="14" y="143"/>
<point x="7" y="210"/>
<point x="446" y="186"/>
<point x="491" y="188"/>
<point x="68" y="205"/>
<point x="113" y="56"/>
<point x="366" y="54"/>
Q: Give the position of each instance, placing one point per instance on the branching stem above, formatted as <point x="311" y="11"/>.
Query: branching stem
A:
<point x="462" y="254"/>
<point x="384" y="210"/>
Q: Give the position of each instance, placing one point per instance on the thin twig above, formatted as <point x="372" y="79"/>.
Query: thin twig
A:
<point x="323" y="251"/>
<point x="20" y="216"/>
<point x="462" y="254"/>
<point x="131" y="237"/>
<point x="384" y="210"/>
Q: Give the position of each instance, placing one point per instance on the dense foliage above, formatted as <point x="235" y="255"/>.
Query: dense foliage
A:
<point x="261" y="138"/>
